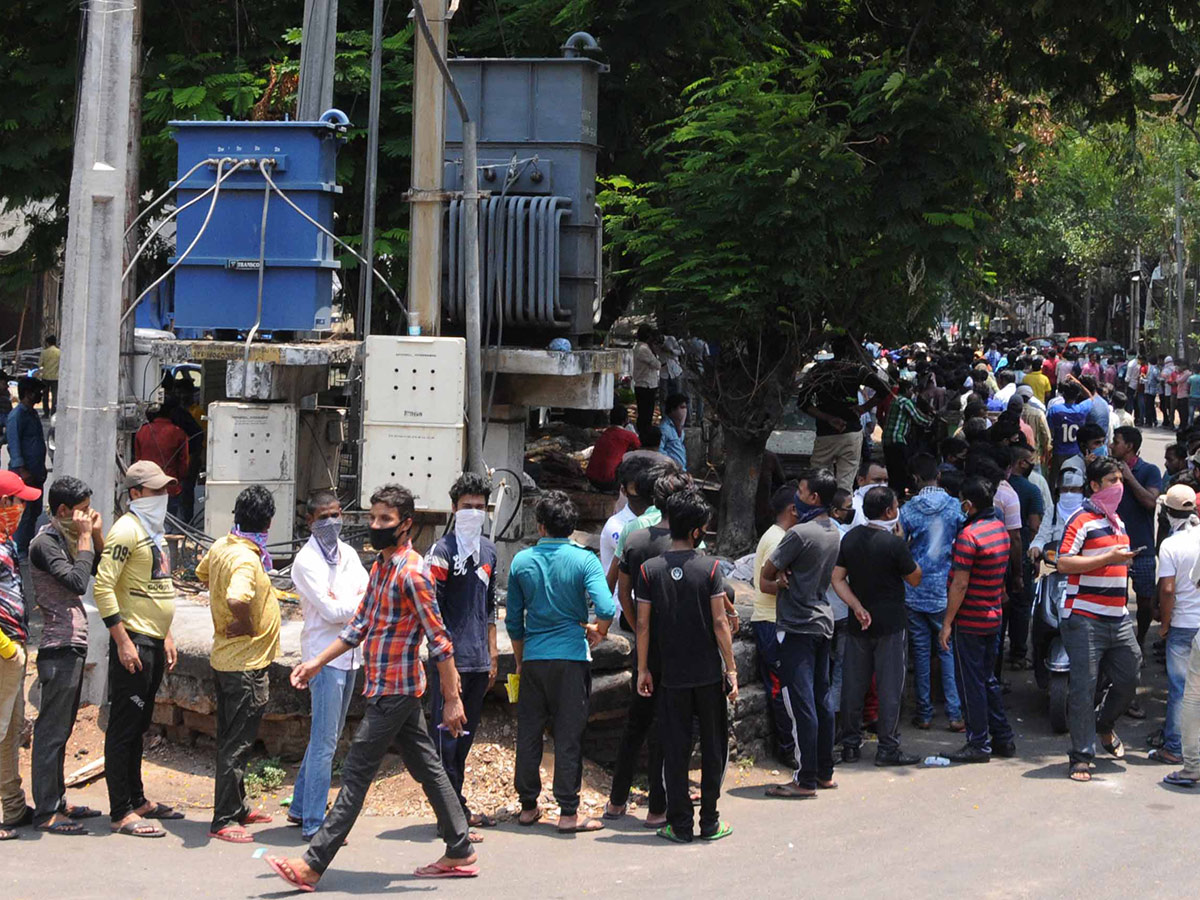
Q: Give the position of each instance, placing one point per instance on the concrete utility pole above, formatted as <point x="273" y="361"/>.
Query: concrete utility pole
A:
<point x="366" y="290"/>
<point x="1180" y="267"/>
<point x="317" y="49"/>
<point x="428" y="151"/>
<point x="89" y="379"/>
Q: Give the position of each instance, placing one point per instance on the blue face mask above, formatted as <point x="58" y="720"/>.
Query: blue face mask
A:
<point x="805" y="511"/>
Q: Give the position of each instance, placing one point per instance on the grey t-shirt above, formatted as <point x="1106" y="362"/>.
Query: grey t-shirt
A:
<point x="808" y="553"/>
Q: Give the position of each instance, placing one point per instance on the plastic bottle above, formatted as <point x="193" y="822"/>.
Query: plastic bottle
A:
<point x="936" y="761"/>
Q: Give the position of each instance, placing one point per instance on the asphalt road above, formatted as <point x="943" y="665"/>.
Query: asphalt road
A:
<point x="1013" y="828"/>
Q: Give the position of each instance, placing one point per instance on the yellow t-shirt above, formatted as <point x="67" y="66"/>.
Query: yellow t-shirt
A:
<point x="233" y="569"/>
<point x="48" y="363"/>
<point x="133" y="581"/>
<point x="764" y="604"/>
<point x="1040" y="384"/>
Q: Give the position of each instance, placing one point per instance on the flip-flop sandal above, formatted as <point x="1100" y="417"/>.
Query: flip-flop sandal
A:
<point x="7" y="834"/>
<point x="827" y="785"/>
<point x="482" y="820"/>
<point x="1114" y="747"/>
<point x="1080" y="769"/>
<point x="584" y="827"/>
<point x="474" y="837"/>
<point x="724" y="830"/>
<point x="1164" y="756"/>
<point x="434" y="870"/>
<point x="82" y="812"/>
<point x="70" y="828"/>
<point x="141" y="829"/>
<point x="1178" y="779"/>
<point x="649" y="824"/>
<point x="789" y="792"/>
<point x="161" y="811"/>
<point x="668" y="833"/>
<point x="234" y="834"/>
<point x="529" y="823"/>
<point x="288" y="874"/>
<point x="613" y="816"/>
<point x="292" y="820"/>
<point x="258" y="818"/>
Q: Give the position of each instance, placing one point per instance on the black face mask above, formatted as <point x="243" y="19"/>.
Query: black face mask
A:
<point x="383" y="538"/>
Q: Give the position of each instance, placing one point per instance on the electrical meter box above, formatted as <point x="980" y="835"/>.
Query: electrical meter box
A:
<point x="414" y="380"/>
<point x="250" y="443"/>
<point x="219" y="498"/>
<point x="426" y="459"/>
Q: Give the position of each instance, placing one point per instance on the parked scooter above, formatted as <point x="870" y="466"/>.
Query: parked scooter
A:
<point x="1051" y="665"/>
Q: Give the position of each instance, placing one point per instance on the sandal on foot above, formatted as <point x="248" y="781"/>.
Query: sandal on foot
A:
<point x="81" y="812"/>
<point x="1165" y="756"/>
<point x="436" y="870"/>
<point x="724" y="829"/>
<point x="161" y="811"/>
<point x="482" y="820"/>
<point x="791" y="792"/>
<point x="293" y="820"/>
<point x="70" y="828"/>
<point x="612" y="816"/>
<point x="1114" y="747"/>
<point x="583" y="826"/>
<point x="1182" y="778"/>
<point x="8" y="834"/>
<point x="1080" y="772"/>
<point x="281" y="868"/>
<point x="140" y="829"/>
<point x="829" y="785"/>
<point x="257" y="817"/>
<point x="661" y="821"/>
<point x="668" y="833"/>
<point x="527" y="823"/>
<point x="234" y="834"/>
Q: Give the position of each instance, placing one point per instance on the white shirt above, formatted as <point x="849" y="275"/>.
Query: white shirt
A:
<point x="1177" y="557"/>
<point x="329" y="597"/>
<point x="608" y="540"/>
<point x="1006" y="393"/>
<point x="645" y="366"/>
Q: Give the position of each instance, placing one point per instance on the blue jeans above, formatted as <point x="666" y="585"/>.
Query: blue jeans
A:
<point x="979" y="688"/>
<point x="331" y="691"/>
<point x="923" y="629"/>
<point x="1179" y="650"/>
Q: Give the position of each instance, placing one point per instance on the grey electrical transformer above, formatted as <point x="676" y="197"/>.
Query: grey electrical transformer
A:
<point x="540" y="230"/>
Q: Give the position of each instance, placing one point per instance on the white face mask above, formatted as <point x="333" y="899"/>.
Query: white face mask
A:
<point x="152" y="512"/>
<point x="1068" y="503"/>
<point x="885" y="524"/>
<point x="468" y="527"/>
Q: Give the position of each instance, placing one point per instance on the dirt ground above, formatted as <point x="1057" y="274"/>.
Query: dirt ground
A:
<point x="182" y="776"/>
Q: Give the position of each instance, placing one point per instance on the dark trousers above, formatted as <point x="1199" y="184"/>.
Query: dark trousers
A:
<point x="453" y="750"/>
<point x="639" y="729"/>
<point x="391" y="717"/>
<point x="804" y="673"/>
<point x="645" y="406"/>
<point x="677" y="709"/>
<point x="1020" y="612"/>
<point x="558" y="691"/>
<point x="241" y="699"/>
<point x="27" y="527"/>
<point x="50" y="400"/>
<point x="768" y="656"/>
<point x="1105" y="643"/>
<point x="132" y="707"/>
<point x="60" y="678"/>
<point x="895" y="457"/>
<point x="979" y="689"/>
<point x="881" y="656"/>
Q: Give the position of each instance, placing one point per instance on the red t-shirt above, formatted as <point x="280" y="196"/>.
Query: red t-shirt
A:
<point x="606" y="455"/>
<point x="982" y="549"/>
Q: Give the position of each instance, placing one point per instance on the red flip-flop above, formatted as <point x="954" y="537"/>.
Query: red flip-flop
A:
<point x="258" y="818"/>
<point x="234" y="834"/>
<point x="434" y="870"/>
<point x="284" y="871"/>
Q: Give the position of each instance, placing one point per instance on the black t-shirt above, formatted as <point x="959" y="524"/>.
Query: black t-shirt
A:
<point x="679" y="586"/>
<point x="876" y="563"/>
<point x="832" y="387"/>
<point x="640" y="547"/>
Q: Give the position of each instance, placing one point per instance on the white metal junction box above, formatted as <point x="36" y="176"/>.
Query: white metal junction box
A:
<point x="251" y="442"/>
<point x="414" y="380"/>
<point x="219" y="497"/>
<point x="426" y="459"/>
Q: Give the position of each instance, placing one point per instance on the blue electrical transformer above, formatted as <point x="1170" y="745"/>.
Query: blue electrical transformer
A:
<point x="217" y="284"/>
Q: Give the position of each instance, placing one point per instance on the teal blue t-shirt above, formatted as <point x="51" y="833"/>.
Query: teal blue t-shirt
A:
<point x="1194" y="386"/>
<point x="549" y="588"/>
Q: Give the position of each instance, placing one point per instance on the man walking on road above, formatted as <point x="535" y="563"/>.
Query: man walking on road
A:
<point x="136" y="599"/>
<point x="397" y="613"/>
<point x="549" y="589"/>
<point x="245" y="614"/>
<point x="1098" y="633"/>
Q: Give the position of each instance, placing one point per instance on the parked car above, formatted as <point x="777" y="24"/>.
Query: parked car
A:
<point x="1104" y="348"/>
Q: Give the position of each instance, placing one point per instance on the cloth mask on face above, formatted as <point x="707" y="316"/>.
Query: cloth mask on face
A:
<point x="468" y="528"/>
<point x="326" y="532"/>
<point x="1106" y="500"/>
<point x="1068" y="504"/>
<point x="152" y="513"/>
<point x="885" y="524"/>
<point x="383" y="538"/>
<point x="259" y="539"/>
<point x="806" y="512"/>
<point x="10" y="518"/>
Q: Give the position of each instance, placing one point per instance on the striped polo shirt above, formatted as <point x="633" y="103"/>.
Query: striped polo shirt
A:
<point x="1100" y="592"/>
<point x="982" y="549"/>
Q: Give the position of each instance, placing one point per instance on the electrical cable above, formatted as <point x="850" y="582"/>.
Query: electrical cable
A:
<point x="520" y="499"/>
<point x="174" y="214"/>
<point x="348" y="248"/>
<point x="262" y="271"/>
<point x="199" y="234"/>
<point x="167" y="193"/>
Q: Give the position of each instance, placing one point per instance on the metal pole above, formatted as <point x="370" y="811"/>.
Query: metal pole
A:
<point x="90" y="402"/>
<point x="428" y="157"/>
<point x="366" y="287"/>
<point x="471" y="238"/>
<point x="1179" y="268"/>
<point x="318" y="45"/>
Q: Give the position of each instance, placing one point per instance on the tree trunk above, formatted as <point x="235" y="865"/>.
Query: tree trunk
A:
<point x="738" y="533"/>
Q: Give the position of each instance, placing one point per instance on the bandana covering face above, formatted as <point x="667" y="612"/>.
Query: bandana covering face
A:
<point x="1107" y="500"/>
<point x="327" y="532"/>
<point x="259" y="539"/>
<point x="805" y="512"/>
<point x="1068" y="504"/>
<point x="468" y="527"/>
<point x="151" y="511"/>
<point x="10" y="518"/>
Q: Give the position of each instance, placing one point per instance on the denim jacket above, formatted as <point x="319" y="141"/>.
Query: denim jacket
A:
<point x="931" y="521"/>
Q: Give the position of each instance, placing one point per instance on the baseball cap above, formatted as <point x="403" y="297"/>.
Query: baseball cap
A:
<point x="146" y="474"/>
<point x="1025" y="390"/>
<point x="1072" y="478"/>
<point x="11" y="485"/>
<point x="1180" y="498"/>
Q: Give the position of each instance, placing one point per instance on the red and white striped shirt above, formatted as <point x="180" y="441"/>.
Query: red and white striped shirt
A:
<point x="1100" y="592"/>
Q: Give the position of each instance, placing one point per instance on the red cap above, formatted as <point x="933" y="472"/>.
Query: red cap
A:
<point x="11" y="485"/>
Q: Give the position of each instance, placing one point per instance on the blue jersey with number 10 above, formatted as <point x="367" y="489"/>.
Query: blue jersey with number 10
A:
<point x="1064" y="423"/>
